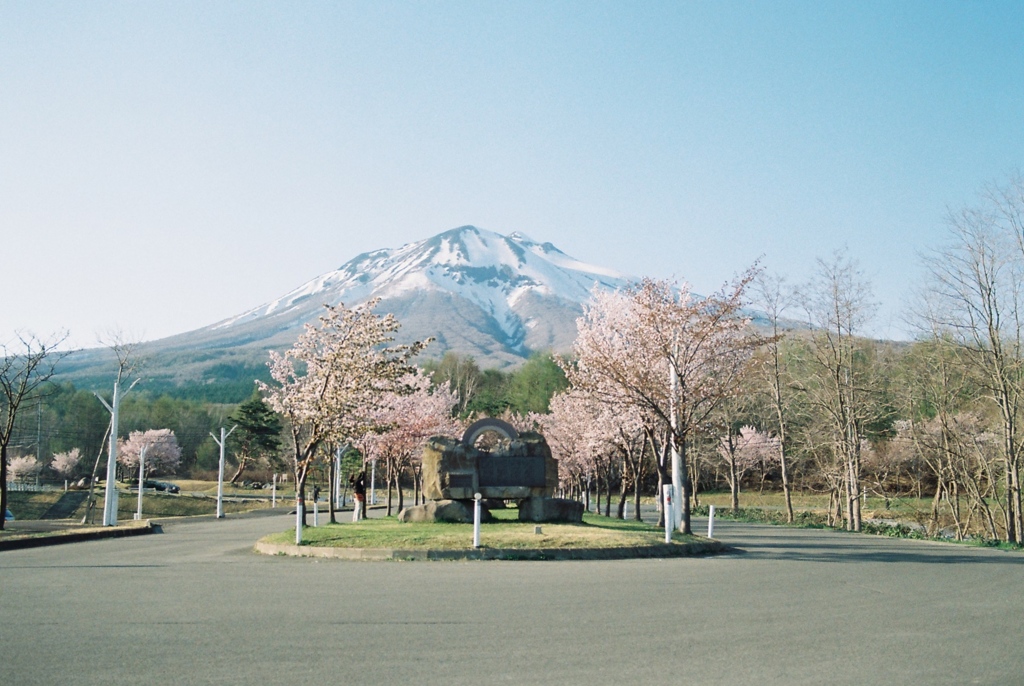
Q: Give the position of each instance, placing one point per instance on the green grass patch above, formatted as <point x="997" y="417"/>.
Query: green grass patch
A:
<point x="507" y="533"/>
<point x="772" y="513"/>
<point x="802" y="518"/>
<point x="31" y="505"/>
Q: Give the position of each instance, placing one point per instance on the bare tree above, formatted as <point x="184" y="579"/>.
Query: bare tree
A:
<point x="24" y="369"/>
<point x="976" y="281"/>
<point x="774" y="298"/>
<point x="462" y="374"/>
<point x="838" y="304"/>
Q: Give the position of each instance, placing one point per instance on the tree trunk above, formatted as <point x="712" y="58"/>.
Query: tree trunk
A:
<point x="331" y="480"/>
<point x="786" y="491"/>
<point x="1015" y="502"/>
<point x="300" y="494"/>
<point x="388" y="513"/>
<point x="608" y="493"/>
<point x="687" y="488"/>
<point x="3" y="484"/>
<point x="734" y="485"/>
<point x="398" y="486"/>
<point x="636" y="501"/>
<point x="243" y="462"/>
<point x="623" y="496"/>
<point x="417" y="475"/>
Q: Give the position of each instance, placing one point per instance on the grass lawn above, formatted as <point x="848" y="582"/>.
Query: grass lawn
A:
<point x="31" y="505"/>
<point x="903" y="516"/>
<point x="508" y="532"/>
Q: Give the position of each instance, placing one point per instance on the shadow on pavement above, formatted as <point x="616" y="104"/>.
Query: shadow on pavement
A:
<point x="838" y="547"/>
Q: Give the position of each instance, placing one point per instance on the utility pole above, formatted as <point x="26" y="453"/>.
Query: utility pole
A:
<point x="337" y="477"/>
<point x="220" y="471"/>
<point x="110" y="494"/>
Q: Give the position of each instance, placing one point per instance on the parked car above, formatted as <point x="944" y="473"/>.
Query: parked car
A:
<point x="165" y="486"/>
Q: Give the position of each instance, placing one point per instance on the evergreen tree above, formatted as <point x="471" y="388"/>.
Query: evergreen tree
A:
<point x="258" y="434"/>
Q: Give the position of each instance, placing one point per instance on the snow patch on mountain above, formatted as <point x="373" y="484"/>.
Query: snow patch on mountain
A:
<point x="493" y="271"/>
<point x="476" y="292"/>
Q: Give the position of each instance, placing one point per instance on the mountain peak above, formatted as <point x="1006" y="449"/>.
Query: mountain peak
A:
<point x="464" y="284"/>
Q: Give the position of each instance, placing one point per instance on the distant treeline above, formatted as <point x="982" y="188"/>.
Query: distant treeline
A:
<point x="69" y="417"/>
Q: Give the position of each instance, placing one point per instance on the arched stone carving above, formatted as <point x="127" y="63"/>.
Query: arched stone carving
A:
<point x="482" y="426"/>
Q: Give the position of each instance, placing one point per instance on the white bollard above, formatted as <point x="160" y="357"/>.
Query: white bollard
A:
<point x="273" y="492"/>
<point x="299" y="507"/>
<point x="711" y="521"/>
<point x="476" y="520"/>
<point x="316" y="513"/>
<point x="625" y="511"/>
<point x="668" y="510"/>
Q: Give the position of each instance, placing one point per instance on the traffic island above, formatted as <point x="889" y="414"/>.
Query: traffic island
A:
<point x="705" y="547"/>
<point x="596" y="538"/>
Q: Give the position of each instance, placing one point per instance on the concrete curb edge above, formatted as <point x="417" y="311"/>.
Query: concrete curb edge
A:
<point x="77" y="537"/>
<point x="710" y="546"/>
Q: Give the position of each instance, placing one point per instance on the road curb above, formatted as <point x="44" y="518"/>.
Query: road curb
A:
<point x="76" y="537"/>
<point x="708" y="547"/>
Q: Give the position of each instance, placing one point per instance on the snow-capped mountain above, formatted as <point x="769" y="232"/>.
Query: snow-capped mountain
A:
<point x="523" y="294"/>
<point x="476" y="292"/>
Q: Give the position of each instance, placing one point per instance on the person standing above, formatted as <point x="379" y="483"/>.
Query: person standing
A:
<point x="359" y="495"/>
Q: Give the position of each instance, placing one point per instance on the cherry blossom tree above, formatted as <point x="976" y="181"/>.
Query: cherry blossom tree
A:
<point x="330" y="384"/>
<point x="630" y="440"/>
<point x="23" y="468"/>
<point x="64" y="464"/>
<point x="402" y="423"/>
<point x="630" y="345"/>
<point x="575" y="435"/>
<point x="594" y="443"/>
<point x="163" y="454"/>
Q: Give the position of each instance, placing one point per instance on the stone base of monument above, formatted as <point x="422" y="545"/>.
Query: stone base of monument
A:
<point x="450" y="511"/>
<point x="555" y="510"/>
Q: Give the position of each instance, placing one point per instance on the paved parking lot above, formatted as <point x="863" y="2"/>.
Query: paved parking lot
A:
<point x="194" y="605"/>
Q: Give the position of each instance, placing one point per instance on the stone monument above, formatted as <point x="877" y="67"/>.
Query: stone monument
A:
<point x="519" y="467"/>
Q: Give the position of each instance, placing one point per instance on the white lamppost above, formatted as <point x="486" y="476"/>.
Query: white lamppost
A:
<point x="337" y="478"/>
<point x="142" y="474"/>
<point x="220" y="471"/>
<point x="110" y="493"/>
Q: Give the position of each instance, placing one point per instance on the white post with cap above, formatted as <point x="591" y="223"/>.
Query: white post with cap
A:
<point x="476" y="520"/>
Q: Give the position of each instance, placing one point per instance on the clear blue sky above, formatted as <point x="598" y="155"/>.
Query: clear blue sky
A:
<point x="164" y="165"/>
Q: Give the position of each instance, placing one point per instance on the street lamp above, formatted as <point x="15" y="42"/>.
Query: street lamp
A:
<point x="220" y="471"/>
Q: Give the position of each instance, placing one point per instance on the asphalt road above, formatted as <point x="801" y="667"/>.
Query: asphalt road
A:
<point x="194" y="605"/>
